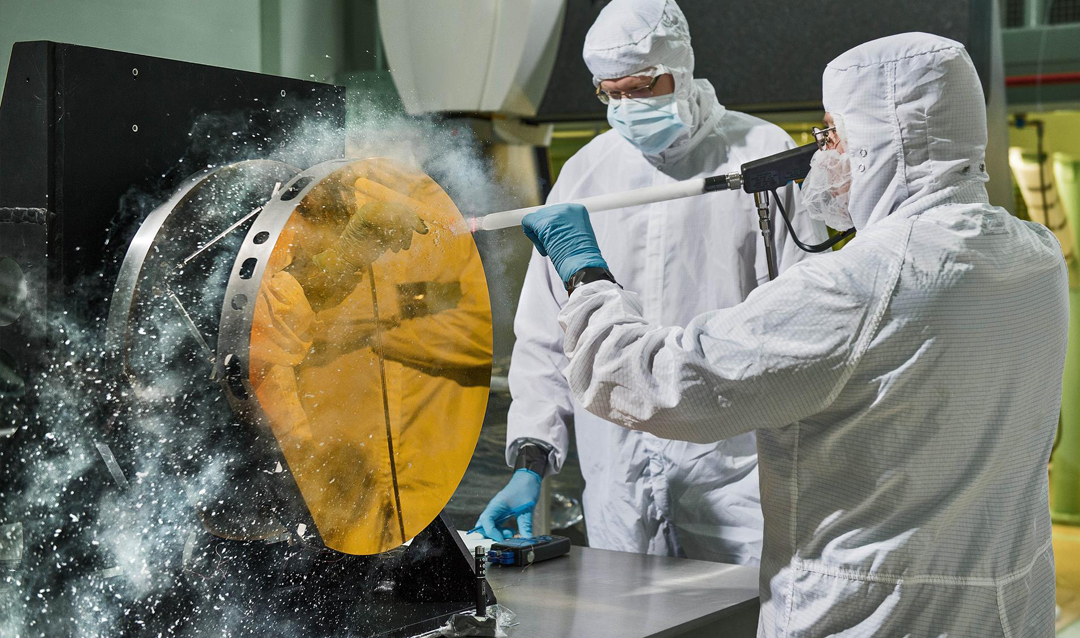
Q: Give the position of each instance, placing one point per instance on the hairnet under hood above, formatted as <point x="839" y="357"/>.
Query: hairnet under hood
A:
<point x="630" y="36"/>
<point x="915" y="120"/>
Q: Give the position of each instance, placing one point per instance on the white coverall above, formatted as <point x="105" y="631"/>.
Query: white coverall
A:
<point x="906" y="388"/>
<point x="643" y="494"/>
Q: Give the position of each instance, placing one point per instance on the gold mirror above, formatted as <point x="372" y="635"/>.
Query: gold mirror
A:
<point x="370" y="348"/>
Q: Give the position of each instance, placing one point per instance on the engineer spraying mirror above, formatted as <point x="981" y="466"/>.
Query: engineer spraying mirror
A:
<point x="905" y="409"/>
<point x="685" y="257"/>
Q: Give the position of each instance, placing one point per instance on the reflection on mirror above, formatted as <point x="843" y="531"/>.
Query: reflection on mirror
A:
<point x="371" y="352"/>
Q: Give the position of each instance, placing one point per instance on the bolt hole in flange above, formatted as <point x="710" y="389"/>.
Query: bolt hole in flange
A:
<point x="13" y="291"/>
<point x="247" y="269"/>
<point x="261" y="237"/>
<point x="295" y="189"/>
<point x="234" y="377"/>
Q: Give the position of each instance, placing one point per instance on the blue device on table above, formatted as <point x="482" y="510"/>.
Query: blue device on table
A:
<point x="526" y="551"/>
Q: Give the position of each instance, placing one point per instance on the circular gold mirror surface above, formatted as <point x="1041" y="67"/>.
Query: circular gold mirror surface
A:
<point x="370" y="352"/>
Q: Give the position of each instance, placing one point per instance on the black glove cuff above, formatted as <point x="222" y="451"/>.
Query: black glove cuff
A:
<point x="589" y="275"/>
<point x="532" y="457"/>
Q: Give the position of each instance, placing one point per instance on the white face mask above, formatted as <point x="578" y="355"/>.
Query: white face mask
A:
<point x="826" y="189"/>
<point x="651" y="124"/>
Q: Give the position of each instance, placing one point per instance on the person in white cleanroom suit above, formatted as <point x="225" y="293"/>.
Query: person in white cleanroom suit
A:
<point x="905" y="389"/>
<point x="643" y="494"/>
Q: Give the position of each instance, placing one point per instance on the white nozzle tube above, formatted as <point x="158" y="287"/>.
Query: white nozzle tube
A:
<point x="638" y="197"/>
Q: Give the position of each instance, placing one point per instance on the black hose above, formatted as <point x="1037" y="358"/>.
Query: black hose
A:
<point x="823" y="246"/>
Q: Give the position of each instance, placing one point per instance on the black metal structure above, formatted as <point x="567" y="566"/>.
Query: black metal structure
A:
<point x="100" y="150"/>
<point x="91" y="139"/>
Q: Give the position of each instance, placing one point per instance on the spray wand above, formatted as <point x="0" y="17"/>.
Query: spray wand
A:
<point x="625" y="199"/>
<point x="759" y="178"/>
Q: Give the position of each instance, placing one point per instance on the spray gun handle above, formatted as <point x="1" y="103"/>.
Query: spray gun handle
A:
<point x="776" y="171"/>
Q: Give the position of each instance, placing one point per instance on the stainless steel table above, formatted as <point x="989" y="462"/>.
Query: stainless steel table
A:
<point x="597" y="593"/>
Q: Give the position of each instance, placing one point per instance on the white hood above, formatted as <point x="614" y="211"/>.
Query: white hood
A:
<point x="630" y="36"/>
<point x="915" y="120"/>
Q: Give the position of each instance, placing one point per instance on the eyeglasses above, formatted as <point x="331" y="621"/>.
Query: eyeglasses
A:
<point x="642" y="91"/>
<point x="826" y="137"/>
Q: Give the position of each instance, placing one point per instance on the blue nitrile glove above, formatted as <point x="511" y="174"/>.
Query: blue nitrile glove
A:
<point x="523" y="488"/>
<point x="564" y="233"/>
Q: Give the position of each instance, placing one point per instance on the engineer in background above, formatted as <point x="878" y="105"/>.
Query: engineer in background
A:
<point x="642" y="493"/>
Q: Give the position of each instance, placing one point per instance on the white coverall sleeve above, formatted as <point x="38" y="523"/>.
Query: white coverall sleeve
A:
<point x="780" y="356"/>
<point x="542" y="404"/>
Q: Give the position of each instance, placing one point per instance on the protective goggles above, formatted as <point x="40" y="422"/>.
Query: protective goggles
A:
<point x="640" y="92"/>
<point x="827" y="138"/>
